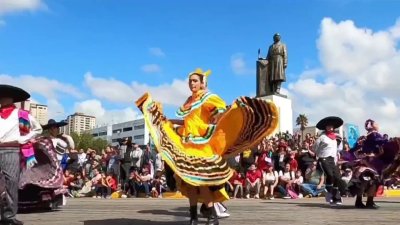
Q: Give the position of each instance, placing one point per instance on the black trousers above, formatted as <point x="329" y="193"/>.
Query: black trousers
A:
<point x="332" y="173"/>
<point x="10" y="172"/>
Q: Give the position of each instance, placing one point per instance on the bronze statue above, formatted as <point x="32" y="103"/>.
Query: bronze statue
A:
<point x="277" y="63"/>
<point x="271" y="70"/>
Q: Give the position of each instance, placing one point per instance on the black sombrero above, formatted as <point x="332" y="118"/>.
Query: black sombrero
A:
<point x="335" y="121"/>
<point x="16" y="93"/>
<point x="53" y="123"/>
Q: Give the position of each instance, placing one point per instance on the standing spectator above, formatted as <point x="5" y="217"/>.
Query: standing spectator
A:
<point x="306" y="157"/>
<point x="113" y="163"/>
<point x="136" y="156"/>
<point x="247" y="158"/>
<point x="125" y="150"/>
<point x="81" y="158"/>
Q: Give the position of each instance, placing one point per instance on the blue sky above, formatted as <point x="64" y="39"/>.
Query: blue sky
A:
<point x="65" y="39"/>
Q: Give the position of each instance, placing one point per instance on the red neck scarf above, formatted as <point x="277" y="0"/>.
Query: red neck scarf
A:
<point x="6" y="111"/>
<point x="331" y="135"/>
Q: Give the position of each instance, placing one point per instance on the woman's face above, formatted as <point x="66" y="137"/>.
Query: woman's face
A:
<point x="195" y="83"/>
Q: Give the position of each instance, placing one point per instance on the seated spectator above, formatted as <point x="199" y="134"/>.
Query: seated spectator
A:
<point x="297" y="183"/>
<point x="112" y="183"/>
<point x="143" y="181"/>
<point x="238" y="181"/>
<point x="253" y="181"/>
<point x="313" y="185"/>
<point x="286" y="180"/>
<point x="159" y="184"/>
<point x="130" y="185"/>
<point x="77" y="184"/>
<point x="270" y="181"/>
<point x="98" y="183"/>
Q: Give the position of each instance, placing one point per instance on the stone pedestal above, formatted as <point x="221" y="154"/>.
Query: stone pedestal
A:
<point x="285" y="112"/>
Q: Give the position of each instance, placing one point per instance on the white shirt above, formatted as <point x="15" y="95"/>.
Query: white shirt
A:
<point x="325" y="147"/>
<point x="286" y="175"/>
<point x="81" y="158"/>
<point x="270" y="176"/>
<point x="136" y="157"/>
<point x="9" y="129"/>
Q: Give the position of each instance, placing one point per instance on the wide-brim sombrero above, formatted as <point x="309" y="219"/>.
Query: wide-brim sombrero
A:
<point x="16" y="93"/>
<point x="53" y="123"/>
<point x="335" y="121"/>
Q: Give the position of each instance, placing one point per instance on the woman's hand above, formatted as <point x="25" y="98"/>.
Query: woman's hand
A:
<point x="216" y="118"/>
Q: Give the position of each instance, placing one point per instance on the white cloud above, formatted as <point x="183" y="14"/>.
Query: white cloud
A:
<point x="9" y="6"/>
<point x="239" y="66"/>
<point x="103" y="116"/>
<point x="151" y="68"/>
<point x="55" y="110"/>
<point x="358" y="78"/>
<point x="116" y="91"/>
<point x="156" y="52"/>
<point x="43" y="86"/>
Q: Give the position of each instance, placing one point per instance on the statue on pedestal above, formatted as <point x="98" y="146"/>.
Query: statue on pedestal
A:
<point x="271" y="70"/>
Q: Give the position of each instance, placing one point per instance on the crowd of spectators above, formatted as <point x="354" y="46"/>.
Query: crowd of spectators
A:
<point x="281" y="166"/>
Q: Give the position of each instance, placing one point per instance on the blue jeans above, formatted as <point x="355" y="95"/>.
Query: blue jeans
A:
<point x="312" y="189"/>
<point x="141" y="186"/>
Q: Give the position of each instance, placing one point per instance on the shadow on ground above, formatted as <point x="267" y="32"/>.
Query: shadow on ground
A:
<point x="314" y="205"/>
<point x="36" y="211"/>
<point x="165" y="212"/>
<point x="132" y="222"/>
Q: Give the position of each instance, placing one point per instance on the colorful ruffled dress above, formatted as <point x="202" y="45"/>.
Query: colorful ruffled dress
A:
<point x="196" y="151"/>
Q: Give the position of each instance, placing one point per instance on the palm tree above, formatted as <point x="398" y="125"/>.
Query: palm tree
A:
<point x="302" y="121"/>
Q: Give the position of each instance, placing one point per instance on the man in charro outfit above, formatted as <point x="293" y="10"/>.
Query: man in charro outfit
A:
<point x="16" y="135"/>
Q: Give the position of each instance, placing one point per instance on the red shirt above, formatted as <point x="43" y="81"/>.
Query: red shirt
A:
<point x="293" y="165"/>
<point x="253" y="175"/>
<point x="112" y="182"/>
<point x="261" y="163"/>
<point x="237" y="179"/>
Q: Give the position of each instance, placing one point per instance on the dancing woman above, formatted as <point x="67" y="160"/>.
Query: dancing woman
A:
<point x="196" y="146"/>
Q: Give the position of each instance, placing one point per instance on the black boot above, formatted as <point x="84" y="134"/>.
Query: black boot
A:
<point x="359" y="204"/>
<point x="371" y="204"/>
<point x="212" y="218"/>
<point x="193" y="215"/>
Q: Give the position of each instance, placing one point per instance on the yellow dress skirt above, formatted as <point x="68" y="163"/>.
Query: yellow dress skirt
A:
<point x="196" y="152"/>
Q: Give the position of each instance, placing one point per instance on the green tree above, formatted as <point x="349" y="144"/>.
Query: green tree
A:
<point x="302" y="121"/>
<point x="86" y="140"/>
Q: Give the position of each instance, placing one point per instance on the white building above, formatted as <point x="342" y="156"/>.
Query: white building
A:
<point x="78" y="123"/>
<point x="103" y="132"/>
<point x="136" y="130"/>
<point x="39" y="111"/>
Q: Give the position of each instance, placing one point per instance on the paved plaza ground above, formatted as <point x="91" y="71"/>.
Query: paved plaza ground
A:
<point x="88" y="211"/>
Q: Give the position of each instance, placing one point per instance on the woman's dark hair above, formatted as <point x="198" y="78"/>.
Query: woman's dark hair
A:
<point x="201" y="77"/>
